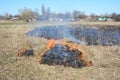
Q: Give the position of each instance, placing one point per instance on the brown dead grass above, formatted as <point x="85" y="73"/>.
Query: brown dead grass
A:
<point x="106" y="60"/>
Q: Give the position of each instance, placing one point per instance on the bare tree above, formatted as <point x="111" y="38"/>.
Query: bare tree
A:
<point x="48" y="13"/>
<point x="93" y="17"/>
<point x="67" y="15"/>
<point x="7" y="16"/>
<point x="82" y="15"/>
<point x="27" y="14"/>
<point x="43" y="12"/>
<point x="1" y="17"/>
<point x="76" y="14"/>
<point x="115" y="17"/>
<point x="79" y="15"/>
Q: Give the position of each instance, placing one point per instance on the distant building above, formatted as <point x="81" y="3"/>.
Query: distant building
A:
<point x="89" y="18"/>
<point x="15" y="18"/>
<point x="104" y="18"/>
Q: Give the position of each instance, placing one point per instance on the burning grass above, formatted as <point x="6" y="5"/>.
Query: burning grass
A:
<point x="64" y="54"/>
<point x="106" y="59"/>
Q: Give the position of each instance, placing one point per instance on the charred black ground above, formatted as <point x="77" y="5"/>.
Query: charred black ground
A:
<point x="56" y="32"/>
<point x="62" y="55"/>
<point x="81" y="34"/>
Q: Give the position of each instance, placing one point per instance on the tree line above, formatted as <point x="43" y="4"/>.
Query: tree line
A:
<point x="27" y="14"/>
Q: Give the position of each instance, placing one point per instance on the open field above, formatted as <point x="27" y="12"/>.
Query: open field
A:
<point x="7" y="23"/>
<point x="106" y="59"/>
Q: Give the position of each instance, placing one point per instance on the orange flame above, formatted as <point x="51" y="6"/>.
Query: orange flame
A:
<point x="71" y="46"/>
<point x="49" y="46"/>
<point x="22" y="52"/>
<point x="82" y="56"/>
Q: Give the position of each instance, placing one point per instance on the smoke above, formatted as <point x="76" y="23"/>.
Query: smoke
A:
<point x="80" y="34"/>
<point x="56" y="32"/>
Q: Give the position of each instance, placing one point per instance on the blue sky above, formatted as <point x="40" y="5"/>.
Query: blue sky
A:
<point x="88" y="6"/>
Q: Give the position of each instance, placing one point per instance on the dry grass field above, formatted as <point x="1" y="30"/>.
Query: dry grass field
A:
<point x="106" y="59"/>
